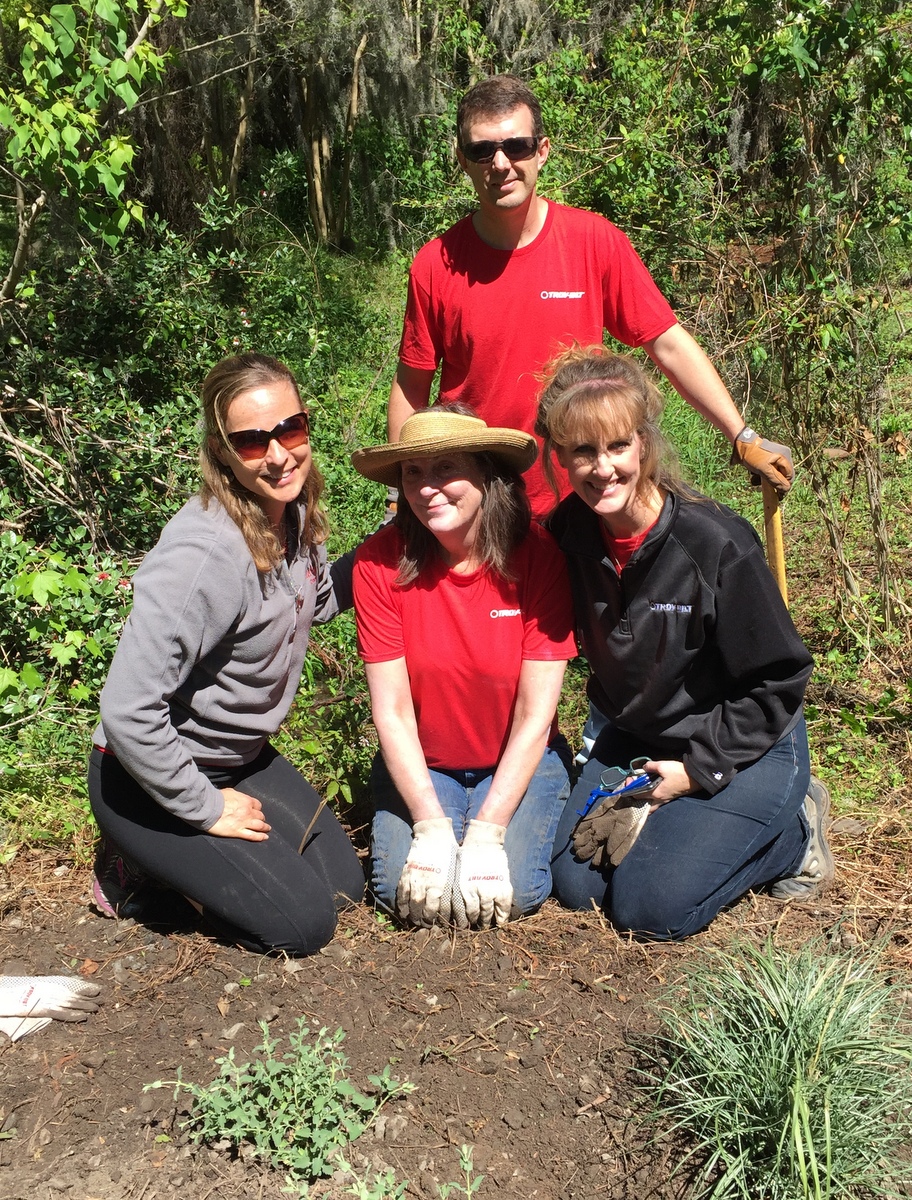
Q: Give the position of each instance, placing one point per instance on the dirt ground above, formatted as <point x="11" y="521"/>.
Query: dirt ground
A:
<point x="519" y="1042"/>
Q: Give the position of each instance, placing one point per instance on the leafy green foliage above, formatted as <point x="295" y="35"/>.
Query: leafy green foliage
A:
<point x="43" y="793"/>
<point x="78" y="63"/>
<point x="62" y="621"/>
<point x="296" y="1109"/>
<point x="105" y="413"/>
<point x="787" y="1073"/>
<point x="758" y="156"/>
<point x="328" y="735"/>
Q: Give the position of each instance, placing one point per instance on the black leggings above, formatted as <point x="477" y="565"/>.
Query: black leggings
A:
<point x="263" y="895"/>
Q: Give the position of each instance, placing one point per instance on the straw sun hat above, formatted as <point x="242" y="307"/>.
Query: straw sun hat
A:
<point x="428" y="433"/>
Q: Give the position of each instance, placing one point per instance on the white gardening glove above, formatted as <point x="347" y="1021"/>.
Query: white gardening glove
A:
<point x="60" y="997"/>
<point x="484" y="874"/>
<point x="426" y="884"/>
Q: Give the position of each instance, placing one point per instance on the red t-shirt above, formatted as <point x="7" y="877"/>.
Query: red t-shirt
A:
<point x="493" y="318"/>
<point x="464" y="639"/>
<point x="622" y="549"/>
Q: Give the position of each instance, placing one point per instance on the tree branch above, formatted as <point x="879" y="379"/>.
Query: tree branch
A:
<point x="144" y="30"/>
<point x="26" y="225"/>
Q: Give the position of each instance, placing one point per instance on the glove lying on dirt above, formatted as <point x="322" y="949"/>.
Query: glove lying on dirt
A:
<point x="425" y="890"/>
<point x="761" y="457"/>
<point x="30" y="1002"/>
<point x="484" y="874"/>
<point x="607" y="832"/>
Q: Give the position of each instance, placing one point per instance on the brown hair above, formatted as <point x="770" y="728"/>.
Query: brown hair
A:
<point x="224" y="383"/>
<point x="496" y="97"/>
<point x="590" y="394"/>
<point x="505" y="515"/>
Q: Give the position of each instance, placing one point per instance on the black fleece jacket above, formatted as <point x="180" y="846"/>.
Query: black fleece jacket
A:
<point x="691" y="648"/>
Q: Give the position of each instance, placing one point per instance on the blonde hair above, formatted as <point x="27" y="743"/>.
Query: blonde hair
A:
<point x="590" y="394"/>
<point x="224" y="383"/>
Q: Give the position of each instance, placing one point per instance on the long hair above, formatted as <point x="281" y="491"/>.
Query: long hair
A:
<point x="224" y="383"/>
<point x="505" y="516"/>
<point x="497" y="96"/>
<point x="592" y="395"/>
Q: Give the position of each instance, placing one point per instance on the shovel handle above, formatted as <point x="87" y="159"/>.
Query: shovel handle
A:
<point x="775" y="549"/>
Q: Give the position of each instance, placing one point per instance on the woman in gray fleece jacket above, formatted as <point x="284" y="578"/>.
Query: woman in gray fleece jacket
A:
<point x="183" y="782"/>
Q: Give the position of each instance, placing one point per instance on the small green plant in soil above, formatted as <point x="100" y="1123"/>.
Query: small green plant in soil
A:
<point x="788" y="1075"/>
<point x="471" y="1182"/>
<point x="383" y="1185"/>
<point x="296" y="1109"/>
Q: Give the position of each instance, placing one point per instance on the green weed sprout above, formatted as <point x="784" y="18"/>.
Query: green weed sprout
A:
<point x="472" y="1181"/>
<point x="297" y="1109"/>
<point x="383" y="1186"/>
<point x="788" y="1074"/>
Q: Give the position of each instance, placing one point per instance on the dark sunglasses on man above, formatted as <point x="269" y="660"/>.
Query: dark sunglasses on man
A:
<point x="517" y="149"/>
<point x="249" y="444"/>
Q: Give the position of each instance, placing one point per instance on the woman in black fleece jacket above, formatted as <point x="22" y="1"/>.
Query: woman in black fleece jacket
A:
<point x="695" y="664"/>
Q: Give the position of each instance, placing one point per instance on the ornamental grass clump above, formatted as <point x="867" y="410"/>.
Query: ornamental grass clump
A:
<point x="787" y="1074"/>
<point x="297" y="1110"/>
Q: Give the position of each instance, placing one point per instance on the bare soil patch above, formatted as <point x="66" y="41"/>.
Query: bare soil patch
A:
<point x="520" y="1042"/>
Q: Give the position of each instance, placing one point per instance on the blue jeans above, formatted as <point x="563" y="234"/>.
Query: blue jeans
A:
<point x="697" y="853"/>
<point x="529" y="840"/>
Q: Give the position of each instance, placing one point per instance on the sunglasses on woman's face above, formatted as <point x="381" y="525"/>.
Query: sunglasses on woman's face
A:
<point x="249" y="444"/>
<point x="517" y="149"/>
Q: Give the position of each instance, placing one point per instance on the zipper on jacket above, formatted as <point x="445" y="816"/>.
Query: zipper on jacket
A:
<point x="623" y="620"/>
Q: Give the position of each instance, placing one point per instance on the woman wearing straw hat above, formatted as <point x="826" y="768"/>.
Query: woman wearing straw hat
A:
<point x="465" y="626"/>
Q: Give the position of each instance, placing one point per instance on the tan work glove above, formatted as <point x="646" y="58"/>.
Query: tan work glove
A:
<point x="607" y="832"/>
<point x="761" y="457"/>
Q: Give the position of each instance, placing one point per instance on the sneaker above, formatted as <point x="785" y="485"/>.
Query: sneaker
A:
<point x="817" y="870"/>
<point x="116" y="880"/>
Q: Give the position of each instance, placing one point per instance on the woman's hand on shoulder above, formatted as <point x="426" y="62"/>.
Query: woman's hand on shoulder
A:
<point x="242" y="817"/>
<point x="674" y="782"/>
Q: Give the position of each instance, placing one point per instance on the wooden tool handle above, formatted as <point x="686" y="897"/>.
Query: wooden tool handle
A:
<point x="775" y="549"/>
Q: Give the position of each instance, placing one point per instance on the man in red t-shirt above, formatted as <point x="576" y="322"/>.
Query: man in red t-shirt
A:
<point x="508" y="287"/>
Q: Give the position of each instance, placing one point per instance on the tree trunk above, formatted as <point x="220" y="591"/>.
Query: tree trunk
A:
<point x="244" y="109"/>
<point x="342" y="213"/>
<point x="317" y="157"/>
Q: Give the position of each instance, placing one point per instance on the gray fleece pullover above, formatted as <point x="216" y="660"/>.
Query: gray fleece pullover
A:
<point x="210" y="657"/>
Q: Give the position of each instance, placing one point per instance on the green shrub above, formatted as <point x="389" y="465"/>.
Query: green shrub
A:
<point x="43" y="789"/>
<point x="297" y="1110"/>
<point x="62" y="619"/>
<point x="787" y="1074"/>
